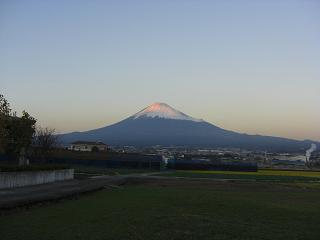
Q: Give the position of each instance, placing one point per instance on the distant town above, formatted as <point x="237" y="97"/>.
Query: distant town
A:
<point x="263" y="159"/>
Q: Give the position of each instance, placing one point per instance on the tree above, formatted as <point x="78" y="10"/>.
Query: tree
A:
<point x="16" y="132"/>
<point x="20" y="132"/>
<point x="45" y="140"/>
<point x="5" y="112"/>
<point x="4" y="106"/>
<point x="95" y="149"/>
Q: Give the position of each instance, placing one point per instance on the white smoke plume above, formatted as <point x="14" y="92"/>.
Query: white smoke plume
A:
<point x="309" y="151"/>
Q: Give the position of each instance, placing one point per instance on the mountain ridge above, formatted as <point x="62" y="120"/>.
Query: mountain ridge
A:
<point x="160" y="124"/>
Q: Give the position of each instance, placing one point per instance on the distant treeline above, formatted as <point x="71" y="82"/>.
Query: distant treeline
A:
<point x="208" y="165"/>
<point x="136" y="160"/>
<point x="105" y="159"/>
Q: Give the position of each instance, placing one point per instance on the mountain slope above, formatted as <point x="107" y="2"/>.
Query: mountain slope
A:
<point x="159" y="124"/>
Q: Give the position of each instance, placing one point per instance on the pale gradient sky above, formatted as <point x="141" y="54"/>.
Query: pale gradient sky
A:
<point x="249" y="66"/>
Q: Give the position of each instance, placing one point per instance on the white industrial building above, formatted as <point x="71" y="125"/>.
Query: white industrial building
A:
<point x="85" y="146"/>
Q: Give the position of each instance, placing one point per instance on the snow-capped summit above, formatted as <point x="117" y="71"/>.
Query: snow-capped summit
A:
<point x="163" y="110"/>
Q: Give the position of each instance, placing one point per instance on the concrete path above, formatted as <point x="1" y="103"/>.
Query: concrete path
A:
<point x="11" y="198"/>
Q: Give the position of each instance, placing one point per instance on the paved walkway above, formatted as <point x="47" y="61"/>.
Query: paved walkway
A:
<point x="11" y="198"/>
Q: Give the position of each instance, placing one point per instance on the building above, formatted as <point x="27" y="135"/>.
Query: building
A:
<point x="84" y="146"/>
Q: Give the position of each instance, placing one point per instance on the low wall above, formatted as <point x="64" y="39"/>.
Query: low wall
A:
<point x="20" y="179"/>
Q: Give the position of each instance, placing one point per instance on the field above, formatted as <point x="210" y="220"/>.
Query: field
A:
<point x="175" y="209"/>
<point x="261" y="175"/>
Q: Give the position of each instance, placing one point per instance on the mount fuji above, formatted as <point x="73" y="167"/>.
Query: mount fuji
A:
<point x="160" y="124"/>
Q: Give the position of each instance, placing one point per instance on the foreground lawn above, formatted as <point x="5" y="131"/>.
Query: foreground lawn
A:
<point x="183" y="211"/>
<point x="261" y="175"/>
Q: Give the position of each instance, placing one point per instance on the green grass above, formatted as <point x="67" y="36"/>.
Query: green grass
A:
<point x="261" y="175"/>
<point x="175" y="212"/>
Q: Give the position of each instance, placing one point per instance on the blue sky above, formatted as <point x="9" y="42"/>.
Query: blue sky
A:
<point x="249" y="66"/>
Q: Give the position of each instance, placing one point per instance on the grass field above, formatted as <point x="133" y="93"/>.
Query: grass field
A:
<point x="178" y="210"/>
<point x="261" y="175"/>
